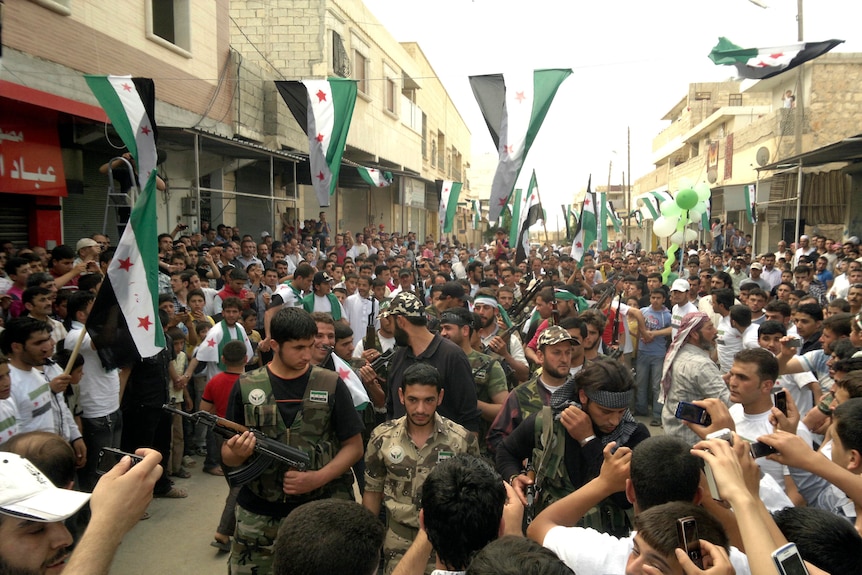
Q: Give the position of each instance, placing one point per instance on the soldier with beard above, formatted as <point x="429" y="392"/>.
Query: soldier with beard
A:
<point x="418" y="345"/>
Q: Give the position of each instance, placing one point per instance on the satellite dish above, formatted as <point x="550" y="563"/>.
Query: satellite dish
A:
<point x="711" y="175"/>
<point x="762" y="157"/>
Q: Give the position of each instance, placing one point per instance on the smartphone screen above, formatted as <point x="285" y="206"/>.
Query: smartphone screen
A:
<point x="109" y="457"/>
<point x="693" y="413"/>
<point x="781" y="401"/>
<point x="788" y="561"/>
<point x="689" y="540"/>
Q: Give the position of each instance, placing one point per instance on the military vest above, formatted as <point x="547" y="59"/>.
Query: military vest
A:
<point x="553" y="483"/>
<point x="311" y="431"/>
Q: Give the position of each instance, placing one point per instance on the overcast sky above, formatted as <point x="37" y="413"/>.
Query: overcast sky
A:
<point x="632" y="60"/>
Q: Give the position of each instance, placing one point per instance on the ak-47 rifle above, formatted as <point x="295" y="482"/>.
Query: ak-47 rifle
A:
<point x="382" y="360"/>
<point x="522" y="303"/>
<point x="370" y="330"/>
<point x="615" y="337"/>
<point x="505" y="334"/>
<point x="609" y="292"/>
<point x="267" y="450"/>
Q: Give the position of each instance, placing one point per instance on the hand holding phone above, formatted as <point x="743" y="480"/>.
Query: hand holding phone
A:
<point x="788" y="561"/>
<point x="688" y="540"/>
<point x="109" y="457"/>
<point x="780" y="399"/>
<point x="692" y="413"/>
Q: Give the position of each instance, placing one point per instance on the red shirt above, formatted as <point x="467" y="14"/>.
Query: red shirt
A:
<point x="218" y="391"/>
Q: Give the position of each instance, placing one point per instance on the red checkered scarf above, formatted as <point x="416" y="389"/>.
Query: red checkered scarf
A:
<point x="691" y="322"/>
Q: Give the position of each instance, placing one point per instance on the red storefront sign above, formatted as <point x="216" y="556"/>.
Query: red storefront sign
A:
<point x="30" y="158"/>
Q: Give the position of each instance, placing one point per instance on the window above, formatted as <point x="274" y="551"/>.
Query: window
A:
<point x="424" y="136"/>
<point x="360" y="71"/>
<point x="340" y="61"/>
<point x="391" y="90"/>
<point x="433" y="153"/>
<point x="169" y="23"/>
<point x="734" y="99"/>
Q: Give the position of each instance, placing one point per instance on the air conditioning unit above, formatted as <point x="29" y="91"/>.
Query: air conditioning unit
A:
<point x="189" y="206"/>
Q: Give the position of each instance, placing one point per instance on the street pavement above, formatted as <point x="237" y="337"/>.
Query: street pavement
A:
<point x="176" y="538"/>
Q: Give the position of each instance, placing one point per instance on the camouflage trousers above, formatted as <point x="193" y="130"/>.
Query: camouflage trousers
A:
<point x="252" y="547"/>
<point x="395" y="545"/>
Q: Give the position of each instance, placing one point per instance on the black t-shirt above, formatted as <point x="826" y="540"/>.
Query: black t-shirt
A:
<point x="345" y="420"/>
<point x="460" y="403"/>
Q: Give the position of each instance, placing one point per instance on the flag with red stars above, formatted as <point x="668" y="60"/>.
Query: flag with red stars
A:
<point x="762" y="63"/>
<point x="587" y="229"/>
<point x="530" y="214"/>
<point x="323" y="109"/>
<point x="124" y="322"/>
<point x="353" y="383"/>
<point x="449" y="192"/>
<point x="514" y="109"/>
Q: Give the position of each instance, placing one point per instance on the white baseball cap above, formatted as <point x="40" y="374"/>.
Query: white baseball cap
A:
<point x="680" y="285"/>
<point x="26" y="492"/>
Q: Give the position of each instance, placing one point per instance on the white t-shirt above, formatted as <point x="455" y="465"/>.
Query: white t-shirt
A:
<point x="796" y="384"/>
<point x="749" y="337"/>
<point x="751" y="426"/>
<point x="386" y="343"/>
<point x="8" y="419"/>
<point x="589" y="552"/>
<point x="100" y="389"/>
<point x="679" y="312"/>
<point x="208" y="351"/>
<point x="728" y="343"/>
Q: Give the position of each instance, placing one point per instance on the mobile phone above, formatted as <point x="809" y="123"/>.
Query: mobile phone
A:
<point x="109" y="457"/>
<point x="693" y="413"/>
<point x="724" y="434"/>
<point x="710" y="482"/>
<point x="780" y="399"/>
<point x="794" y="343"/>
<point x="788" y="561"/>
<point x="686" y="531"/>
<point x="759" y="449"/>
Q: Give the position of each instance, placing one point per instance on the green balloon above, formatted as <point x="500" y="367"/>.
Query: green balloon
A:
<point x="686" y="199"/>
<point x="670" y="209"/>
<point x="703" y="191"/>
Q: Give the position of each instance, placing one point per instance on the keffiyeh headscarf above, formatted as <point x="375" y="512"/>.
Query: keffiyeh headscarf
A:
<point x="691" y="322"/>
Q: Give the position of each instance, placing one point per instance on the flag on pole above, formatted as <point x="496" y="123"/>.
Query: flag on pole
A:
<point x="566" y="211"/>
<point x="374" y="177"/>
<point x="477" y="214"/>
<point x="615" y="219"/>
<point x="573" y="213"/>
<point x="514" y="109"/>
<point x="639" y="218"/>
<point x="130" y="105"/>
<point x="750" y="203"/>
<point x="586" y="231"/>
<point x="531" y="214"/>
<point x="762" y="63"/>
<point x="353" y="383"/>
<point x="449" y="192"/>
<point x="515" y="208"/>
<point x="323" y="109"/>
<point x="602" y="219"/>
<point x="124" y="322"/>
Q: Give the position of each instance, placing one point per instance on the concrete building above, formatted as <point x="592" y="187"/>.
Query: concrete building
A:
<point x="727" y="133"/>
<point x="234" y="153"/>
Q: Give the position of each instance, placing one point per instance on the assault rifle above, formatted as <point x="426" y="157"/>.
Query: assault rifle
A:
<point x="507" y="333"/>
<point x="519" y="306"/>
<point x="267" y="450"/>
<point x="609" y="292"/>
<point x="382" y="360"/>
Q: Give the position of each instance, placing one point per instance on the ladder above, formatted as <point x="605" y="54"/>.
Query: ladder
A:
<point x="119" y="201"/>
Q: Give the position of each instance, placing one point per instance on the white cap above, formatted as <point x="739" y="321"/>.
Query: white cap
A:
<point x="264" y="234"/>
<point x="26" y="492"/>
<point x="680" y="285"/>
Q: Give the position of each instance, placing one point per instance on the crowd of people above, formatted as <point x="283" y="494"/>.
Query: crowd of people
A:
<point x="457" y="410"/>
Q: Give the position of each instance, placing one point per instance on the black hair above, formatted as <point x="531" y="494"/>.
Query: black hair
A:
<point x="328" y="536"/>
<point x="839" y="324"/>
<point x="657" y="526"/>
<point x="770" y="327"/>
<point x="848" y="423"/>
<point x="513" y="555"/>
<point x="767" y="365"/>
<point x="291" y="323"/>
<point x="723" y="296"/>
<point x="342" y="330"/>
<point x="663" y="469"/>
<point x="813" y="310"/>
<point x="575" y="323"/>
<point x="462" y="505"/>
<point x="88" y="282"/>
<point x="234" y="353"/>
<point x="823" y="538"/>
<point x="741" y="314"/>
<point x="78" y="301"/>
<point x="422" y="374"/>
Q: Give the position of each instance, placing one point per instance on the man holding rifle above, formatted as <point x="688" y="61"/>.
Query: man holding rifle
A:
<point x="305" y="407"/>
<point x="510" y="350"/>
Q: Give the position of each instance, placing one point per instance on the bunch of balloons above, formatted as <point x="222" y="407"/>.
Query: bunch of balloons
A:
<point x="689" y="204"/>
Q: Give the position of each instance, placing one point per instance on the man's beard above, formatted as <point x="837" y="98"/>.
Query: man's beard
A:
<point x="556" y="374"/>
<point x="704" y="343"/>
<point x="402" y="338"/>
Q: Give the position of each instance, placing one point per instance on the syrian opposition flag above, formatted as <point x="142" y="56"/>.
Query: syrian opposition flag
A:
<point x="612" y="214"/>
<point x="323" y="108"/>
<point x="566" y="209"/>
<point x="354" y="384"/>
<point x="750" y="203"/>
<point x="762" y="63"/>
<point x="375" y="177"/>
<point x="449" y="192"/>
<point x="130" y="104"/>
<point x="515" y="208"/>
<point x="477" y="214"/>
<point x="639" y="218"/>
<point x="531" y="214"/>
<point x="124" y="323"/>
<point x="514" y="109"/>
<point x="586" y="231"/>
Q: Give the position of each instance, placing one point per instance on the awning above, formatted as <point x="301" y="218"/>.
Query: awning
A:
<point x="847" y="150"/>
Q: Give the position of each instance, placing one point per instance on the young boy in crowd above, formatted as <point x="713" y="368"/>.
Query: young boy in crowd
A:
<point x="249" y="322"/>
<point x="215" y="400"/>
<point x="179" y="397"/>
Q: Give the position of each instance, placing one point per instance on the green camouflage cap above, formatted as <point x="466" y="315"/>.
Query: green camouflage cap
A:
<point x="383" y="310"/>
<point x="406" y="304"/>
<point x="554" y="335"/>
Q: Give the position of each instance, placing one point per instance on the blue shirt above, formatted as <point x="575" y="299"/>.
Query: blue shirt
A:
<point x="654" y="320"/>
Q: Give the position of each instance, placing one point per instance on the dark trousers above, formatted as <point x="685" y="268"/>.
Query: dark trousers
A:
<point x="146" y="426"/>
<point x="98" y="433"/>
